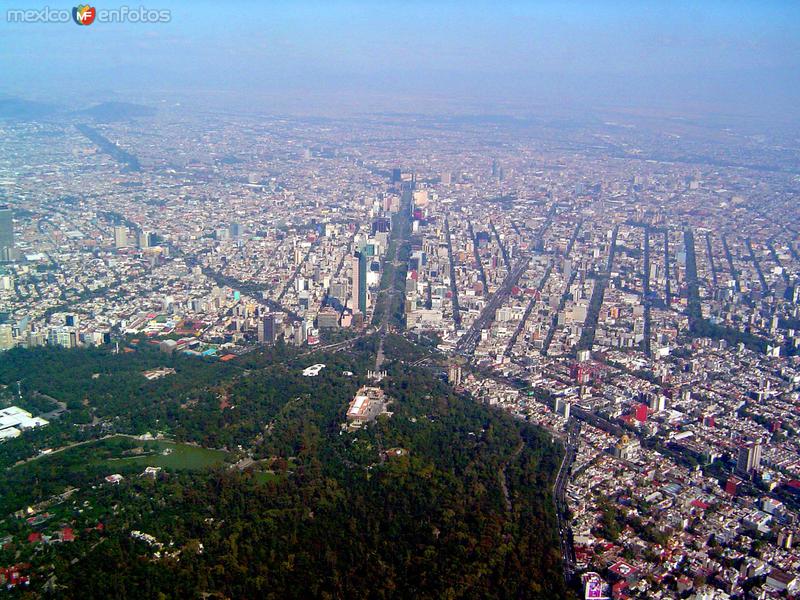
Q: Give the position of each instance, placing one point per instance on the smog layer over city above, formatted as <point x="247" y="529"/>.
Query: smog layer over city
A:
<point x="387" y="300"/>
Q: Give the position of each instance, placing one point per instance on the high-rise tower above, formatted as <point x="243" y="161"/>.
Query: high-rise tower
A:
<point x="6" y="233"/>
<point x="359" y="283"/>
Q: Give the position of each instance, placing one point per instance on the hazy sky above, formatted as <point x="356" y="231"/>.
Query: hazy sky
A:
<point x="727" y="56"/>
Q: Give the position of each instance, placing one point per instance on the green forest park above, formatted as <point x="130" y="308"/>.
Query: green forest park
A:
<point x="254" y="489"/>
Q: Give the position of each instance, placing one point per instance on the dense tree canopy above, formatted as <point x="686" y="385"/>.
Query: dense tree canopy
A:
<point x="323" y="512"/>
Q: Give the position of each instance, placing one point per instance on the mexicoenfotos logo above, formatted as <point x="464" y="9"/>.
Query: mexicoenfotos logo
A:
<point x="83" y="14"/>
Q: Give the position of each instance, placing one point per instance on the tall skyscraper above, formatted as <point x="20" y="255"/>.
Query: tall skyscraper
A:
<point x="563" y="408"/>
<point x="355" y="279"/>
<point x="298" y="333"/>
<point x="749" y="458"/>
<point x="6" y="233"/>
<point x="267" y="329"/>
<point x="359" y="283"/>
<point x="121" y="236"/>
<point x="6" y="337"/>
<point x="145" y="239"/>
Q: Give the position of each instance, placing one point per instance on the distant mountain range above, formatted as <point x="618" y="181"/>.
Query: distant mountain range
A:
<point x="117" y="111"/>
<point x="15" y="108"/>
<point x="28" y="110"/>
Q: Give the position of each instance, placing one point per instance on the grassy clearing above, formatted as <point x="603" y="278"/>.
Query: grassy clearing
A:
<point x="170" y="455"/>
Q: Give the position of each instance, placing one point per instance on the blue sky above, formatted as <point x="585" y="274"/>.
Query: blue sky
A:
<point x="739" y="57"/>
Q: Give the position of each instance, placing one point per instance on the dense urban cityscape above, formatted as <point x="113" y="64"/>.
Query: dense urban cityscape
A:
<point x="570" y="278"/>
<point x="400" y="300"/>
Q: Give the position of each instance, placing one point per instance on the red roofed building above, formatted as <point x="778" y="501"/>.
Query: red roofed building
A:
<point x="623" y="570"/>
<point x="794" y="486"/>
<point x="731" y="485"/>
